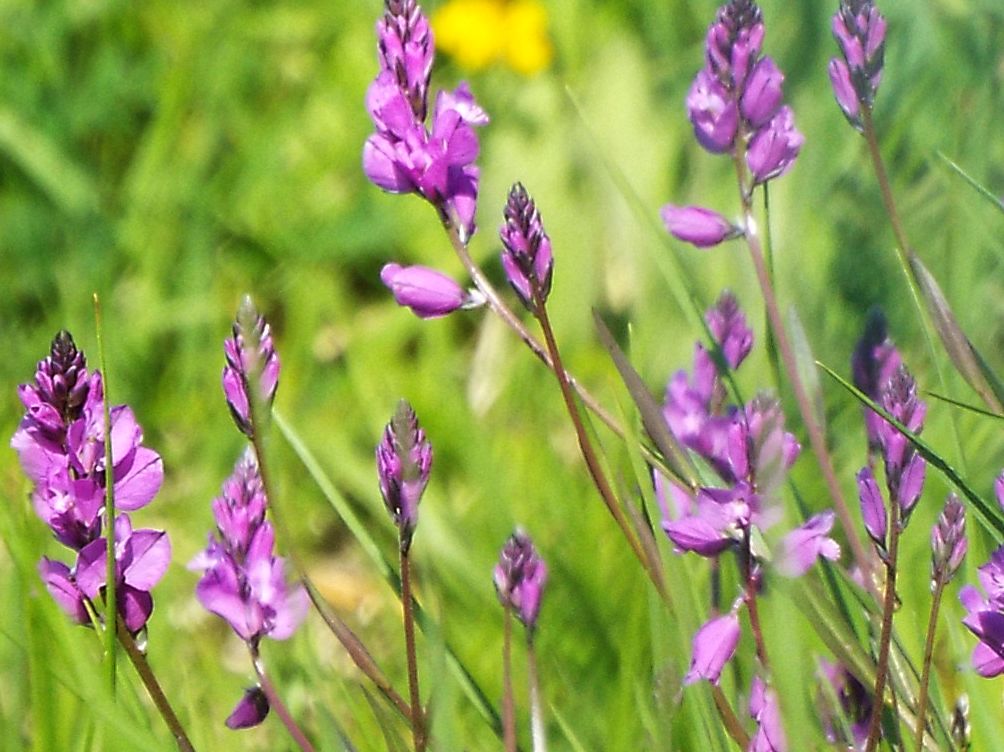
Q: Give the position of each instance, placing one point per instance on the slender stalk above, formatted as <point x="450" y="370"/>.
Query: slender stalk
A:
<point x="153" y="688"/>
<point x="925" y="678"/>
<point x="111" y="571"/>
<point x="885" y="636"/>
<point x="586" y="446"/>
<point x="508" y="708"/>
<point x="276" y="703"/>
<point x="729" y="720"/>
<point x="536" y="709"/>
<point x="749" y="565"/>
<point x="417" y="716"/>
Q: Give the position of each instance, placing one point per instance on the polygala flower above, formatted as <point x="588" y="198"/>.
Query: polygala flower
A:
<point x="860" y="32"/>
<point x="766" y="711"/>
<point x="404" y="461"/>
<point x="985" y="616"/>
<point x="427" y="292"/>
<point x="526" y="249"/>
<point x="61" y="446"/>
<point x="250" y="359"/>
<point x="405" y="156"/>
<point x="804" y="545"/>
<point x="873" y="364"/>
<point x="250" y="711"/>
<point x="519" y="578"/>
<point x="714" y="645"/>
<point x="948" y="540"/>
<point x="698" y="226"/>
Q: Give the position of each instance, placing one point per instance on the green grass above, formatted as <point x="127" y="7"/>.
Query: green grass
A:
<point x="172" y="160"/>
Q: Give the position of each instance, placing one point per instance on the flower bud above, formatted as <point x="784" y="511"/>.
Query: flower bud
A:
<point x="427" y="292"/>
<point x="526" y="253"/>
<point x="698" y="226"/>
<point x="519" y="578"/>
<point x="404" y="460"/>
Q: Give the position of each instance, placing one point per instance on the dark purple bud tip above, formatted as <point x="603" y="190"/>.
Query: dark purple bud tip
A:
<point x="526" y="249"/>
<point x="250" y="359"/>
<point x="404" y="461"/>
<point x="520" y="577"/>
<point x="948" y="540"/>
<point x="250" y="711"/>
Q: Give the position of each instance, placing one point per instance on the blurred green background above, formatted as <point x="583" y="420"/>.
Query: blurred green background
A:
<point x="172" y="156"/>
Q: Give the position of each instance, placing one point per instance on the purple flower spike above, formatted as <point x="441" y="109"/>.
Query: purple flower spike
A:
<point x="774" y="147"/>
<point x="873" y="509"/>
<point x="250" y="357"/>
<point x="427" y="292"/>
<point x="405" y="48"/>
<point x="727" y="323"/>
<point x="948" y="540"/>
<point x="874" y="362"/>
<point x="766" y="711"/>
<point x="698" y="226"/>
<point x="860" y="32"/>
<point x="985" y="617"/>
<point x="404" y="460"/>
<point x="250" y="711"/>
<point x="714" y="645"/>
<point x="804" y="545"/>
<point x="526" y="249"/>
<point x="520" y="577"/>
<point x="904" y="467"/>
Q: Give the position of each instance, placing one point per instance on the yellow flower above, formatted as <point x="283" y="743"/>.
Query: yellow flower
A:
<point x="479" y="33"/>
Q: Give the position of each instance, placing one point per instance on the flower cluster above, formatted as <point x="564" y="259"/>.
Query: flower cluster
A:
<point x="520" y="577"/>
<point x="985" y="617"/>
<point x="526" y="249"/>
<point x="859" y="30"/>
<point x="404" y="156"/>
<point x="250" y="356"/>
<point x="404" y="461"/>
<point x="873" y="364"/>
<point x="61" y="446"/>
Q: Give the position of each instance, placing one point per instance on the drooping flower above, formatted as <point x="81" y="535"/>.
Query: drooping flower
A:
<point x="250" y="358"/>
<point x="404" y="460"/>
<point x="250" y="711"/>
<point x="698" y="226"/>
<point x="404" y="156"/>
<point x="860" y="32"/>
<point x="713" y="646"/>
<point x="526" y="249"/>
<point x="520" y="577"/>
<point x="243" y="581"/>
<point x="873" y="510"/>
<point x="427" y="292"/>
<point x="766" y="711"/>
<point x="801" y="547"/>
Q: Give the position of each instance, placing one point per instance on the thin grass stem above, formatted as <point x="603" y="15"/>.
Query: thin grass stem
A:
<point x="925" y="678"/>
<point x="508" y="702"/>
<point x="417" y="715"/>
<point x="537" y="732"/>
<point x="276" y="703"/>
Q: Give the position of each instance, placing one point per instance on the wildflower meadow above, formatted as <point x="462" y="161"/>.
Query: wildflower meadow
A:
<point x="502" y="374"/>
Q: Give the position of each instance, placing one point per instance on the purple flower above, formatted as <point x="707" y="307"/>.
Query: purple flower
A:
<point x="765" y="710"/>
<point x="714" y="645"/>
<point x="250" y="358"/>
<point x="802" y="546"/>
<point x="250" y="711"/>
<point x="873" y="364"/>
<point x="728" y="326"/>
<point x="701" y="227"/>
<point x="999" y="489"/>
<point x="61" y="583"/>
<point x="404" y="460"/>
<point x="520" y="577"/>
<point x="403" y="156"/>
<point x="762" y="95"/>
<point x="854" y="703"/>
<point x="985" y="616"/>
<point x="427" y="292"/>
<point x="243" y="581"/>
<point x="860" y="32"/>
<point x="948" y="540"/>
<point x="904" y="467"/>
<point x="713" y="112"/>
<point x="873" y="510"/>
<point x="526" y="249"/>
<point x="733" y="42"/>
<point x="141" y="559"/>
<point x="774" y="147"/>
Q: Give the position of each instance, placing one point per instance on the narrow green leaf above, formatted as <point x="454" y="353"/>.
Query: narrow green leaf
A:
<point x="983" y="191"/>
<point x="960" y="350"/>
<point x="992" y="519"/>
<point x="805" y="364"/>
<point x="651" y="415"/>
<point x="966" y="406"/>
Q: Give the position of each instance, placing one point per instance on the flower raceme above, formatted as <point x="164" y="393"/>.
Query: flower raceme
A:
<point x="404" y="461"/>
<point x="526" y="249"/>
<point x="520" y="577"/>
<point x="860" y="32"/>
<point x="404" y="156"/>
<point x="250" y="359"/>
<point x="61" y="446"/>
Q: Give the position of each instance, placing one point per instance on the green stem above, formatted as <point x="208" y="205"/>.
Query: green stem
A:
<point x="153" y="688"/>
<point x="750" y="599"/>
<point x="885" y="637"/>
<point x="276" y="703"/>
<point x="729" y="720"/>
<point x="111" y="598"/>
<point x="508" y="708"/>
<point x="925" y="678"/>
<point x="417" y="715"/>
<point x="536" y="708"/>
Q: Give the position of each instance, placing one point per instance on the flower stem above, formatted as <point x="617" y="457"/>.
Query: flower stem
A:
<point x="417" y="715"/>
<point x="153" y="688"/>
<point x="536" y="710"/>
<point x="749" y="565"/>
<point x="932" y="626"/>
<point x="111" y="570"/>
<point x="586" y="446"/>
<point x="729" y="720"/>
<point x="276" y="703"/>
<point x="508" y="709"/>
<point x="885" y="637"/>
